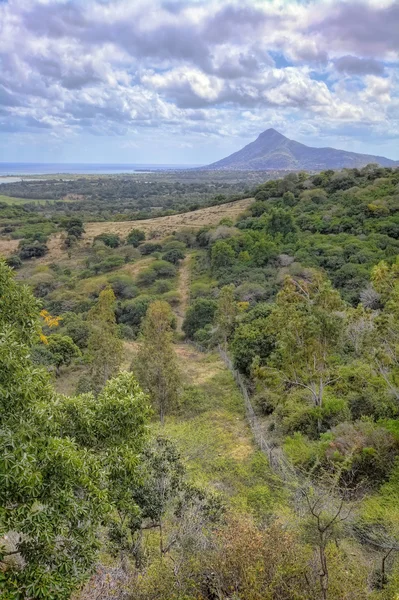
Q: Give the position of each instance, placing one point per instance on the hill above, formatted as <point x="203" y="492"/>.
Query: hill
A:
<point x="272" y="150"/>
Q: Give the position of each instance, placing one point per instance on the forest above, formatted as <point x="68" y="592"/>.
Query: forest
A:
<point x="204" y="414"/>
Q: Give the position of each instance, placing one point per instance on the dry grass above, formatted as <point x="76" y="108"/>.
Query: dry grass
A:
<point x="155" y="228"/>
<point x="163" y="226"/>
<point x="7" y="247"/>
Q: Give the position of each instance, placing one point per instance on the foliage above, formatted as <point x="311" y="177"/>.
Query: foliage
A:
<point x="156" y="364"/>
<point x="47" y="530"/>
<point x="135" y="237"/>
<point x="199" y="314"/>
<point x="112" y="240"/>
<point x="28" y="249"/>
<point x="104" y="345"/>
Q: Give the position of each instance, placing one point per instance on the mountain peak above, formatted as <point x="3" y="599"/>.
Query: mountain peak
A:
<point x="271" y="133"/>
<point x="273" y="151"/>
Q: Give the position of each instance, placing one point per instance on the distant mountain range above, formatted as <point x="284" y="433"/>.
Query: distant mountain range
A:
<point x="272" y="150"/>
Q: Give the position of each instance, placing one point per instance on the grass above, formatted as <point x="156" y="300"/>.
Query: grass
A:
<point x="215" y="440"/>
<point x="160" y="227"/>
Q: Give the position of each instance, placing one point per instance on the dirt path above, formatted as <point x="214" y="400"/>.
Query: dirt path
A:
<point x="184" y="291"/>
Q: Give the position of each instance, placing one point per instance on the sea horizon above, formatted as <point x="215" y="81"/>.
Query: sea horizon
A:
<point x="9" y="169"/>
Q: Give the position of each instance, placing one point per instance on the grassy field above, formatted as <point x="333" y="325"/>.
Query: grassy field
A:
<point x="162" y="226"/>
<point x="214" y="438"/>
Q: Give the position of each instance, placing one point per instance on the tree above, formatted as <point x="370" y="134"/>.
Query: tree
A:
<point x="226" y="312"/>
<point x="112" y="240"/>
<point x="156" y="364"/>
<point x="281" y="221"/>
<point x="199" y="314"/>
<point x="222" y="255"/>
<point x="73" y="226"/>
<point x="307" y="326"/>
<point x="76" y="328"/>
<point x="327" y="509"/>
<point x="51" y="501"/>
<point x="174" y="255"/>
<point x="104" y="345"/>
<point x="251" y="340"/>
<point x="135" y="237"/>
<point x="62" y="349"/>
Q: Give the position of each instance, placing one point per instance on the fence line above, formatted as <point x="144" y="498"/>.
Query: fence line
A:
<point x="278" y="462"/>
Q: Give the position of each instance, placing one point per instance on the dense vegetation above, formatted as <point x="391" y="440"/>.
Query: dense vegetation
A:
<point x="120" y="197"/>
<point x="153" y="465"/>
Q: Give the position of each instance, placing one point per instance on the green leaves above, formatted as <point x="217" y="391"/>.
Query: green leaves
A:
<point x="64" y="462"/>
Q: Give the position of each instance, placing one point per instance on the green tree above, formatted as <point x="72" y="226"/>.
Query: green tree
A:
<point x="62" y="349"/>
<point x="226" y="312"/>
<point x="51" y="500"/>
<point x="104" y="345"/>
<point x="222" y="255"/>
<point x="199" y="314"/>
<point x="135" y="237"/>
<point x="112" y="240"/>
<point x="156" y="364"/>
<point x="307" y="325"/>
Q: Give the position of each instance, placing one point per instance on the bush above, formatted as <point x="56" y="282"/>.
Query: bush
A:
<point x="173" y="256"/>
<point x="112" y="240"/>
<point x="14" y="261"/>
<point x="110" y="263"/>
<point x="158" y="270"/>
<point x="123" y="287"/>
<point x="76" y="328"/>
<point x="172" y="298"/>
<point x="31" y="250"/>
<point x="201" y="290"/>
<point x="132" y="312"/>
<point x="135" y="237"/>
<point x="250" y="340"/>
<point x="149" y="248"/>
<point x="200" y="313"/>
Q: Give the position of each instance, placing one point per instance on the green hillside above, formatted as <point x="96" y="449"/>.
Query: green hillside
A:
<point x="205" y="413"/>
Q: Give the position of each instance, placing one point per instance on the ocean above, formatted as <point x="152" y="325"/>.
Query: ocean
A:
<point x="10" y="169"/>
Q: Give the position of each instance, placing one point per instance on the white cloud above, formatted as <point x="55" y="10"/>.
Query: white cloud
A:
<point x="209" y="67"/>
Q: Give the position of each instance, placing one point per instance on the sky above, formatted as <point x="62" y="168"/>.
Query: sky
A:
<point x="189" y="82"/>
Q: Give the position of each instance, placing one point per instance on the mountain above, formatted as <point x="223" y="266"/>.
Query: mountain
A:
<point x="272" y="150"/>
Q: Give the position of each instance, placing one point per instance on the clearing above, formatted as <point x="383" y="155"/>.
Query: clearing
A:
<point x="160" y="227"/>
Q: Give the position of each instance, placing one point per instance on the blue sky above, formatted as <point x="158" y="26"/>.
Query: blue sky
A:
<point x="192" y="81"/>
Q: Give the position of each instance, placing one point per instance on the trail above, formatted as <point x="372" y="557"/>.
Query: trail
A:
<point x="184" y="291"/>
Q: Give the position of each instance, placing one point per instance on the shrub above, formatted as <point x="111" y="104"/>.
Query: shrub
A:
<point x="76" y="328"/>
<point x="135" y="237"/>
<point x="123" y="287"/>
<point x="14" y="261"/>
<point x="30" y="249"/>
<point x="132" y="312"/>
<point x="110" y="263"/>
<point x="173" y="256"/>
<point x="149" y="248"/>
<point x="112" y="240"/>
<point x="200" y="313"/>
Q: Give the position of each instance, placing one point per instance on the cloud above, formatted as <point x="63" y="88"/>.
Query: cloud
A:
<point x="361" y="27"/>
<point x="111" y="67"/>
<point x="352" y="65"/>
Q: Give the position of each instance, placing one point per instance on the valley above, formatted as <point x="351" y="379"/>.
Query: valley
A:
<point x="297" y="284"/>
